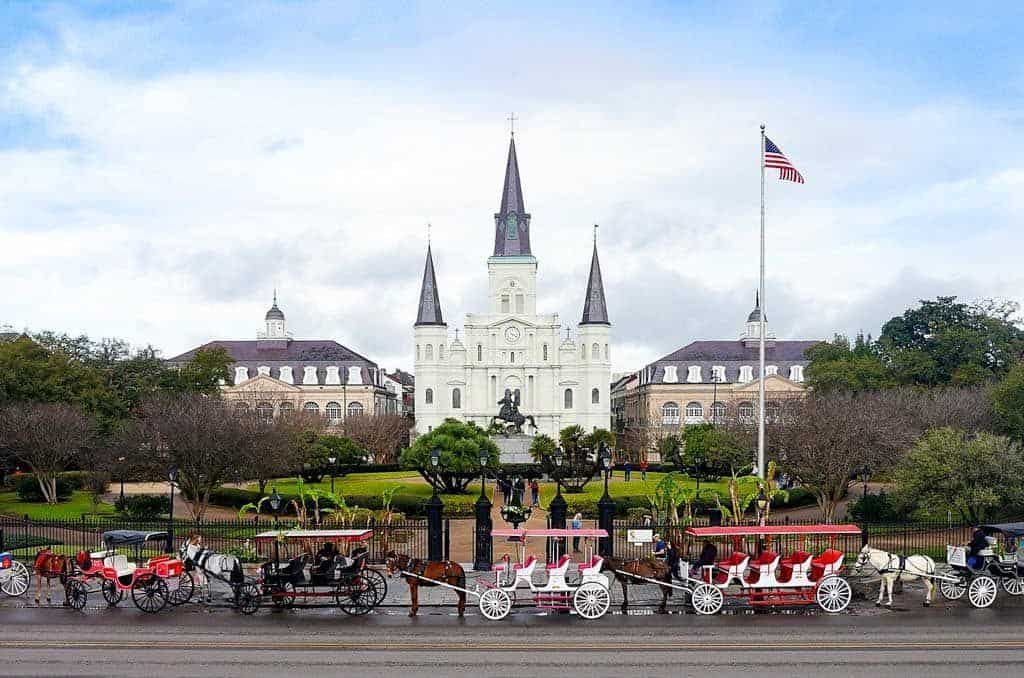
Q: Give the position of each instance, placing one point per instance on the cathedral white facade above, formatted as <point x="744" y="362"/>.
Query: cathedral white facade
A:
<point x="558" y="380"/>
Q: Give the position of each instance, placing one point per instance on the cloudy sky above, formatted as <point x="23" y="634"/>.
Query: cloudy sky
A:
<point x="164" y="166"/>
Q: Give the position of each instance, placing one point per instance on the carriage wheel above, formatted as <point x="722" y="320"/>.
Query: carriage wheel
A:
<point x="707" y="599"/>
<point x="953" y="590"/>
<point x="495" y="604"/>
<point x="283" y="594"/>
<point x="186" y="588"/>
<point x="247" y="598"/>
<point x="76" y="593"/>
<point x="357" y="596"/>
<point x="150" y="594"/>
<point x="379" y="582"/>
<point x="982" y="591"/>
<point x="1014" y="586"/>
<point x="591" y="600"/>
<point x="16" y="582"/>
<point x="111" y="593"/>
<point x="833" y="594"/>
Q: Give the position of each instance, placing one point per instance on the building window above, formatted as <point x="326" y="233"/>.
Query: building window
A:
<point x="456" y="399"/>
<point x="511" y="356"/>
<point x="718" y="374"/>
<point x="429" y="352"/>
<point x="606" y="351"/>
<point x="746" y="410"/>
<point x="670" y="413"/>
<point x="583" y="351"/>
<point x="417" y="351"/>
<point x="263" y="370"/>
<point x="771" y="370"/>
<point x="670" y="375"/>
<point x="309" y="375"/>
<point x="746" y="373"/>
<point x="796" y="373"/>
<point x="428" y="396"/>
<point x="265" y="411"/>
<point x="479" y="353"/>
<point x="241" y="408"/>
<point x="440" y="351"/>
<point x="595" y="396"/>
<point x="772" y="410"/>
<point x="241" y="374"/>
<point x="520" y="304"/>
<point x="595" y="351"/>
<point x="311" y="407"/>
<point x="285" y="407"/>
<point x="333" y="412"/>
<point x="567" y="399"/>
<point x="693" y="375"/>
<point x="694" y="412"/>
<point x="355" y="409"/>
<point x="504" y="303"/>
<point x="545" y="352"/>
<point x="717" y="412"/>
<point x="285" y="374"/>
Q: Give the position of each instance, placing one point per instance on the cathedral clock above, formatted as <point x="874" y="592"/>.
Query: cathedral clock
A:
<point x="512" y="334"/>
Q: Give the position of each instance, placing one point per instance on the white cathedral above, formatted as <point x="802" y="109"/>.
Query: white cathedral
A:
<point x="509" y="347"/>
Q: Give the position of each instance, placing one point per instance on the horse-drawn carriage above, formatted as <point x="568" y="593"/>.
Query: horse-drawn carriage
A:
<point x="304" y="575"/>
<point x="979" y="568"/>
<point x="152" y="584"/>
<point x="13" y="576"/>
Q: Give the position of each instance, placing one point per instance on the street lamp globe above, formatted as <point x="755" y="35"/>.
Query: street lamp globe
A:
<point x="605" y="455"/>
<point x="172" y="474"/>
<point x="275" y="501"/>
<point x="331" y="460"/>
<point x="435" y="457"/>
<point x="762" y="500"/>
<point x="559" y="457"/>
<point x="865" y="474"/>
<point x="484" y="457"/>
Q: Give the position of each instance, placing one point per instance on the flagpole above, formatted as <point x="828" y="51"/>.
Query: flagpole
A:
<point x="760" y="385"/>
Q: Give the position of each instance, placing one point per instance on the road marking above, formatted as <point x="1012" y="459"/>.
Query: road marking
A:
<point x="311" y="646"/>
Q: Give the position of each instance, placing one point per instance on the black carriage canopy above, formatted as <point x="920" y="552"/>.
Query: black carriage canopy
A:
<point x="131" y="537"/>
<point x="1009" y="530"/>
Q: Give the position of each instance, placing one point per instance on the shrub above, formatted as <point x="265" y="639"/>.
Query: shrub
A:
<point x="873" y="508"/>
<point x="144" y="506"/>
<point x="28" y="489"/>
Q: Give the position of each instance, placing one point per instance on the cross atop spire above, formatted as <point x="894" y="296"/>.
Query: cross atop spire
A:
<point x="511" y="222"/>
<point x="512" y="122"/>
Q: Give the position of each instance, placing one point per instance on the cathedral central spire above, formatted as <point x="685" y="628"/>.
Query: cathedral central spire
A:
<point x="512" y="223"/>
<point x="429" y="311"/>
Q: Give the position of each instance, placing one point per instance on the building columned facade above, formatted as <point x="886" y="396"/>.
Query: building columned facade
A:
<point x="703" y="380"/>
<point x="509" y="347"/>
<point x="276" y="373"/>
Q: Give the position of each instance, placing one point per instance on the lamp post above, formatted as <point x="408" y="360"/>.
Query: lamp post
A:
<point x="605" y="506"/>
<point x="332" y="461"/>
<point x="605" y="456"/>
<point x="762" y="505"/>
<point x="275" y="506"/>
<point x="483" y="551"/>
<point x="172" y="477"/>
<point x="558" y="508"/>
<point x="714" y="398"/>
<point x="435" y="507"/>
<point x="698" y="466"/>
<point x="559" y="460"/>
<point x="120" y="461"/>
<point x="865" y="475"/>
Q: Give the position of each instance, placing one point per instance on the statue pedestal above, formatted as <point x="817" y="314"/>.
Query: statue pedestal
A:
<point x="514" y="449"/>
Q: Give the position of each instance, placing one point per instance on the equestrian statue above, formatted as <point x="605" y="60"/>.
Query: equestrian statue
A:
<point x="509" y="413"/>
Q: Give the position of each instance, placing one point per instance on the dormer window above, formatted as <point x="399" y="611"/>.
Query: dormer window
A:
<point x="285" y="374"/>
<point x="771" y="370"/>
<point x="263" y="370"/>
<point x="796" y="373"/>
<point x="746" y="374"/>
<point x="332" y="375"/>
<point x="241" y="374"/>
<point x="309" y="375"/>
<point x="670" y="375"/>
<point x="718" y="374"/>
<point x="693" y="375"/>
<point x="355" y="375"/>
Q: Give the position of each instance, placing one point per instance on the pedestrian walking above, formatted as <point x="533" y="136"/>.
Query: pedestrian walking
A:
<point x="659" y="547"/>
<point x="577" y="524"/>
<point x="627" y="469"/>
<point x="534" y="492"/>
<point x="520" y="489"/>
<point x="503" y="485"/>
<point x="643" y="469"/>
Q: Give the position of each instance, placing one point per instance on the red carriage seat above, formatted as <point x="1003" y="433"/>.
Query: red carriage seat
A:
<point x="796" y="563"/>
<point x="727" y="567"/>
<point x="530" y="560"/>
<point x="562" y="563"/>
<point x="766" y="559"/>
<point x="828" y="560"/>
<point x="595" y="561"/>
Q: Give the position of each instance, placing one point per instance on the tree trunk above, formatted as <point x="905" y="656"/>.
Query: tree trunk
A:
<point x="263" y="486"/>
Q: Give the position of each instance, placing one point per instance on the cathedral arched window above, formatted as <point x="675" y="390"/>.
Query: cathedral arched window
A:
<point x="545" y="352"/>
<point x="333" y="411"/>
<point x="440" y="351"/>
<point x="456" y="399"/>
<point x="428" y="396"/>
<point x="670" y="413"/>
<point x="520" y="304"/>
<point x="429" y="352"/>
<point x="583" y="351"/>
<point x="595" y="395"/>
<point x="595" y="351"/>
<point x="567" y="399"/>
<point x="606" y="351"/>
<point x="417" y="351"/>
<point x="479" y="353"/>
<point x="311" y="407"/>
<point x="505" y="303"/>
<point x="355" y="409"/>
<point x="265" y="411"/>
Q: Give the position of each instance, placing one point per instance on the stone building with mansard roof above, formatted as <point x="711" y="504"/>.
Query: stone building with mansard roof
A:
<point x="276" y="372"/>
<point x="509" y="347"/>
<point x="699" y="382"/>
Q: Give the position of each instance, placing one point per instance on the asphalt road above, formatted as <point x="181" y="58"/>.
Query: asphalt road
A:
<point x="951" y="640"/>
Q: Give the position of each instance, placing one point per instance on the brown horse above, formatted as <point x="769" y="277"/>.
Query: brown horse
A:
<point x="650" y="568"/>
<point x="48" y="566"/>
<point x="437" y="570"/>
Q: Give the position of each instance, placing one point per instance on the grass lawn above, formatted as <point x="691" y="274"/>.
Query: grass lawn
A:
<point x="79" y="503"/>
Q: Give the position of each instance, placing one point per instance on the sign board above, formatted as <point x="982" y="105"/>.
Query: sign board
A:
<point x="640" y="536"/>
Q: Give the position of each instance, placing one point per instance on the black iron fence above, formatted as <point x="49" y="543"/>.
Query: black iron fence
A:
<point x="631" y="538"/>
<point x="24" y="537"/>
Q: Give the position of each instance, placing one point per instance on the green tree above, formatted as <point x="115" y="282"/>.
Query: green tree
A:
<point x="838" y="365"/>
<point x="542" y="449"/>
<point x="1008" y="404"/>
<point x="203" y="373"/>
<point x="976" y="476"/>
<point x="459" y="444"/>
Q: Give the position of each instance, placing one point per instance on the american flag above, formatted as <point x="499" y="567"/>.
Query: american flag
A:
<point x="773" y="157"/>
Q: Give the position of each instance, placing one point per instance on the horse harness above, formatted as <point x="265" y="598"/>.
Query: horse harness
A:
<point x="419" y="568"/>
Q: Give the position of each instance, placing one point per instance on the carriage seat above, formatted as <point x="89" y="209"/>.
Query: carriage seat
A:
<point x="797" y="564"/>
<point x="120" y="565"/>
<point x="531" y="562"/>
<point x="593" y="566"/>
<point x="561" y="566"/>
<point x="829" y="562"/>
<point x="763" y="568"/>
<point x="731" y="568"/>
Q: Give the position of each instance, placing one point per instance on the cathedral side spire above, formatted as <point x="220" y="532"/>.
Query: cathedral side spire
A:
<point x="595" y="309"/>
<point x="429" y="312"/>
<point x="512" y="223"/>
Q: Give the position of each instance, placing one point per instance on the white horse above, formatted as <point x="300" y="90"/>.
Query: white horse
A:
<point x="220" y="566"/>
<point x="892" y="567"/>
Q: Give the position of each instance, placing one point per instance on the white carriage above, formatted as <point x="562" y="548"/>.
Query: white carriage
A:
<point x="980" y="573"/>
<point x="13" y="576"/>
